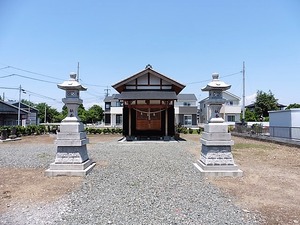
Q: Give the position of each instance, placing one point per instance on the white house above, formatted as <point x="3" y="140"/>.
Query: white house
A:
<point x="230" y="111"/>
<point x="285" y="123"/>
<point x="113" y="111"/>
<point x="186" y="110"/>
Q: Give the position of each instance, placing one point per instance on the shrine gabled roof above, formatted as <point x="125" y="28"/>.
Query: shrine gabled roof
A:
<point x="148" y="95"/>
<point x="177" y="87"/>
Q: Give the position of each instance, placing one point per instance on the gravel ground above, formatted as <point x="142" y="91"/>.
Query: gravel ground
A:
<point x="141" y="183"/>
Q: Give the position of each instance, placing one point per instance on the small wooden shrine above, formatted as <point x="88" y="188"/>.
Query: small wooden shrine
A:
<point x="148" y="104"/>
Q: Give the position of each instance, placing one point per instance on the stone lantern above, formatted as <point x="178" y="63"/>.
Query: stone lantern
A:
<point x="71" y="157"/>
<point x="216" y="158"/>
<point x="215" y="99"/>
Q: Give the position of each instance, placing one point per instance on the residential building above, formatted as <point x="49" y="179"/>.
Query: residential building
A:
<point x="186" y="110"/>
<point x="32" y="117"/>
<point x="113" y="111"/>
<point x="251" y="106"/>
<point x="9" y="114"/>
<point x="230" y="111"/>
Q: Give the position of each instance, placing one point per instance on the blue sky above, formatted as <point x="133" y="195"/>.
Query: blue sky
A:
<point x="184" y="40"/>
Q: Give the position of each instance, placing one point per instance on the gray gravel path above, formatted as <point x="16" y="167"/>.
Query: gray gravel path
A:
<point x="143" y="183"/>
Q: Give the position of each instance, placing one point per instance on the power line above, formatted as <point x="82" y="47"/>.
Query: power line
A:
<point x="33" y="93"/>
<point x="94" y="85"/>
<point x="40" y="74"/>
<point x="232" y="74"/>
<point x="41" y="96"/>
<point x="106" y="91"/>
<point x="28" y="71"/>
<point x="31" y="78"/>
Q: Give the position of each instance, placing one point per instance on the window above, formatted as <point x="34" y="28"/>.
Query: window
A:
<point x="119" y="104"/>
<point x="187" y="104"/>
<point x="187" y="119"/>
<point x="107" y="105"/>
<point x="118" y="119"/>
<point x="231" y="118"/>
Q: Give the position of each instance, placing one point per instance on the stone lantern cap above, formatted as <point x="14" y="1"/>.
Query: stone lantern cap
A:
<point x="72" y="84"/>
<point x="216" y="84"/>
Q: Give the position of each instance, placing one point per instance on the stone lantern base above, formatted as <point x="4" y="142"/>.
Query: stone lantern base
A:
<point x="216" y="158"/>
<point x="69" y="162"/>
<point x="71" y="156"/>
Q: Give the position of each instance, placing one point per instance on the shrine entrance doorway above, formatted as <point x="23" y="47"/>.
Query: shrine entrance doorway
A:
<point x="148" y="120"/>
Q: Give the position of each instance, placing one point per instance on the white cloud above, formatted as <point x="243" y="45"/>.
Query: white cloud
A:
<point x="250" y="99"/>
<point x="88" y="105"/>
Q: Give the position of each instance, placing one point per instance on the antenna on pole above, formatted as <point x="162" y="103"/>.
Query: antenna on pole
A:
<point x="106" y="90"/>
<point x="243" y="92"/>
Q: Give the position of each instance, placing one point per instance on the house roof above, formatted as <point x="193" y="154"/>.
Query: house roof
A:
<point x="6" y="108"/>
<point x="112" y="98"/>
<point x="250" y="106"/>
<point x="25" y="106"/>
<point x="227" y="92"/>
<point x="186" y="97"/>
<point x="232" y="95"/>
<point x="120" y="86"/>
<point x="149" y="95"/>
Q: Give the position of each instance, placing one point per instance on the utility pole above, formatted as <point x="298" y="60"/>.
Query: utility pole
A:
<point x="243" y="92"/>
<point x="78" y="71"/>
<point x="106" y="90"/>
<point x="45" y="120"/>
<point x="19" y="108"/>
<point x="29" y="110"/>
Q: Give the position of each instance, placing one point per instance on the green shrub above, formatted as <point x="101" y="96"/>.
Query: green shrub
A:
<point x="119" y="131"/>
<point x="20" y="130"/>
<point x="40" y="129"/>
<point x="231" y="128"/>
<point x="99" y="131"/>
<point x="106" y="130"/>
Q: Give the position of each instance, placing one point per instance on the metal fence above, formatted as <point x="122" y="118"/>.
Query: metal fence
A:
<point x="256" y="129"/>
<point x="285" y="132"/>
<point x="272" y="131"/>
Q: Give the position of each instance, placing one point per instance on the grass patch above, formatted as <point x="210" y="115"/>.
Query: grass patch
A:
<point x="249" y="145"/>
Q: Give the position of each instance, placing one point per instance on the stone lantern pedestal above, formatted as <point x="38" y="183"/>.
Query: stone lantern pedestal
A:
<point x="216" y="158"/>
<point x="71" y="156"/>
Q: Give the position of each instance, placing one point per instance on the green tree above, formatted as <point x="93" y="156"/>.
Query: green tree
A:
<point x="29" y="103"/>
<point x="51" y="113"/>
<point x="81" y="113"/>
<point x="264" y="102"/>
<point x="94" y="114"/>
<point x="64" y="111"/>
<point x="250" y="115"/>
<point x="293" y="106"/>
